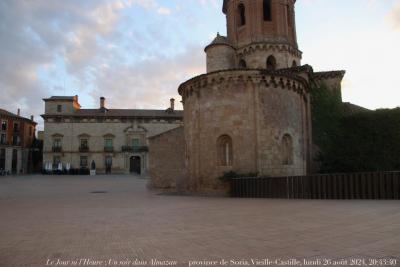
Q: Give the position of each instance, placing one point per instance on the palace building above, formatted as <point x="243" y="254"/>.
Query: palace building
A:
<point x="114" y="139"/>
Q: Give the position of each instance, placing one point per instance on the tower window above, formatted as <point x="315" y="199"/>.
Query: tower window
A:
<point x="294" y="64"/>
<point x="242" y="64"/>
<point x="225" y="153"/>
<point x="271" y="63"/>
<point x="289" y="16"/>
<point x="287" y="150"/>
<point x="242" y="14"/>
<point x="267" y="10"/>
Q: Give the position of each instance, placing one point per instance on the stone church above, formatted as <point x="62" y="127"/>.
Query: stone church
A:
<point x="250" y="113"/>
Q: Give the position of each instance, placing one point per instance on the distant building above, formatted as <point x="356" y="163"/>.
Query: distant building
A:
<point x="114" y="139"/>
<point x="16" y="137"/>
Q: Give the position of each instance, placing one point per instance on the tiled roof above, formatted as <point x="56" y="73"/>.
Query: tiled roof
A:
<point x="219" y="40"/>
<point x="61" y="98"/>
<point x="6" y="113"/>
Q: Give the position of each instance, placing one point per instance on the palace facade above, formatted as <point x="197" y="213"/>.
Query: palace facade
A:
<point x="115" y="140"/>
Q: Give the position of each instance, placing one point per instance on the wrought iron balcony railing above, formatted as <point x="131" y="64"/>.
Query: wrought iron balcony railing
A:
<point x="57" y="148"/>
<point x="83" y="149"/>
<point x="135" y="149"/>
<point x="108" y="149"/>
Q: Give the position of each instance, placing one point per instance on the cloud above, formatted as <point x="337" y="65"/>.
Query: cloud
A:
<point x="394" y="16"/>
<point x="164" y="11"/>
<point x="149" y="83"/>
<point x="35" y="36"/>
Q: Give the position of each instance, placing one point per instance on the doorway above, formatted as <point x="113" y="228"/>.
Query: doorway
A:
<point x="135" y="163"/>
<point x="14" y="161"/>
<point x="108" y="163"/>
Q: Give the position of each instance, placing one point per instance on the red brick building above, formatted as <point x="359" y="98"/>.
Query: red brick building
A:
<point x="16" y="137"/>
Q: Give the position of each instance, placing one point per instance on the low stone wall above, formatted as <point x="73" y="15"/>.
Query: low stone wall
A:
<point x="167" y="160"/>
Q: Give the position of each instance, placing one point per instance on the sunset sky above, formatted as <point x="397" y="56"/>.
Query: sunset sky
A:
<point x="136" y="52"/>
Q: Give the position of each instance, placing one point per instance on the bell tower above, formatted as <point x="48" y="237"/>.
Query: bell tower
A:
<point x="263" y="32"/>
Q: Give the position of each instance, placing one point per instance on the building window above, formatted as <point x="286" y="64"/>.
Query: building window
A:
<point x="225" y="151"/>
<point x="242" y="14"/>
<point x="84" y="161"/>
<point x="108" y="143"/>
<point x="84" y="143"/>
<point x="287" y="150"/>
<point x="16" y="127"/>
<point x="16" y="140"/>
<point x="135" y="142"/>
<point x="267" y="10"/>
<point x="3" y="139"/>
<point x="59" y="108"/>
<point x="271" y="63"/>
<point x="242" y="64"/>
<point x="57" y="142"/>
<point x="4" y="125"/>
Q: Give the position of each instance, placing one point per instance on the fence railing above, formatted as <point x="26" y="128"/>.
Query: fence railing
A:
<point x="375" y="185"/>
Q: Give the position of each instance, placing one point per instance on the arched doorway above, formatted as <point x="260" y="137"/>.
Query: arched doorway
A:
<point x="135" y="165"/>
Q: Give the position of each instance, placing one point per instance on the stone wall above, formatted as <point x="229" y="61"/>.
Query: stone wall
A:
<point x="256" y="109"/>
<point x="220" y="57"/>
<point x="167" y="160"/>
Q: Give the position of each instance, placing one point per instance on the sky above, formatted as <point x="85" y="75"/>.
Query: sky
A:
<point x="135" y="53"/>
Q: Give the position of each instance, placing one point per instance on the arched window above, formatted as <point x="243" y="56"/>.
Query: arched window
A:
<point x="242" y="14"/>
<point x="225" y="153"/>
<point x="267" y="10"/>
<point x="242" y="64"/>
<point x="271" y="63"/>
<point x="290" y="16"/>
<point x="287" y="150"/>
<point x="294" y="63"/>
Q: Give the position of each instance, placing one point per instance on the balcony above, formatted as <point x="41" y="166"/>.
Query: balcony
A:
<point x="4" y="142"/>
<point x="135" y="149"/>
<point x="84" y="149"/>
<point x="108" y="149"/>
<point x="16" y="143"/>
<point x="57" y="148"/>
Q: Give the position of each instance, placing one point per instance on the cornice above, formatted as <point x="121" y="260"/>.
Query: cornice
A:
<point x="269" y="46"/>
<point x="277" y="79"/>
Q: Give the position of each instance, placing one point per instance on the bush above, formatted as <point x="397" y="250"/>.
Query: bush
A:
<point x="362" y="142"/>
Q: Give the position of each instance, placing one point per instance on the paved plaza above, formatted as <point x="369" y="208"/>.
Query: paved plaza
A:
<point x="116" y="221"/>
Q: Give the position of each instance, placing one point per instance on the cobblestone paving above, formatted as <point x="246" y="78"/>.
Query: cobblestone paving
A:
<point x="48" y="219"/>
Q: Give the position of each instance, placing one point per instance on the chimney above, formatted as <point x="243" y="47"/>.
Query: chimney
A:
<point x="172" y="101"/>
<point x="19" y="112"/>
<point x="102" y="102"/>
<point x="32" y="117"/>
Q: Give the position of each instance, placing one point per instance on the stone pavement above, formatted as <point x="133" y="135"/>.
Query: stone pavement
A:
<point x="56" y="220"/>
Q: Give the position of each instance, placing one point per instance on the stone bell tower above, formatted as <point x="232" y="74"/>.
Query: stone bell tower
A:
<point x="250" y="113"/>
<point x="261" y="35"/>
